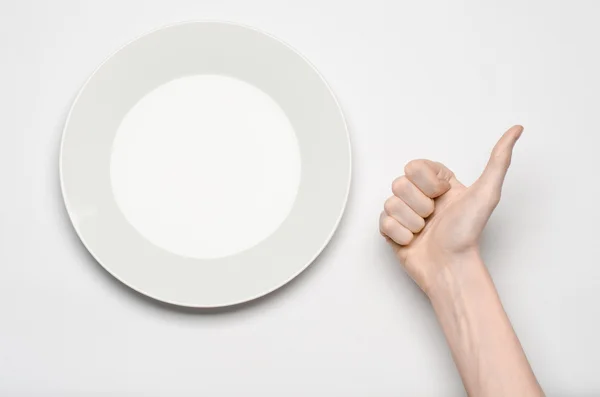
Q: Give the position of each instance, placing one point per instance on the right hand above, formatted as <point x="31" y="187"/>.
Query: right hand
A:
<point x="433" y="221"/>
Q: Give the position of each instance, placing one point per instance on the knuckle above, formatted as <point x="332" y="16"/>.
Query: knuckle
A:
<point x="387" y="225"/>
<point x="502" y="158"/>
<point x="494" y="198"/>
<point x="406" y="238"/>
<point x="400" y="185"/>
<point x="412" y="166"/>
<point x="428" y="208"/>
<point x="491" y="195"/>
<point x="389" y="205"/>
<point x="420" y="224"/>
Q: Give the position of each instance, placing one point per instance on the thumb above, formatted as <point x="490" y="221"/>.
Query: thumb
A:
<point x="492" y="177"/>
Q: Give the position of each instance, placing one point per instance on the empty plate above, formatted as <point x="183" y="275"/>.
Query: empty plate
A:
<point x="205" y="164"/>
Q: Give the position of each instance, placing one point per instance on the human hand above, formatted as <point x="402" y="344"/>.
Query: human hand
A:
<point x="433" y="220"/>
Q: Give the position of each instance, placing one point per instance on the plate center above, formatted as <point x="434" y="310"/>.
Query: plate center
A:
<point x="205" y="166"/>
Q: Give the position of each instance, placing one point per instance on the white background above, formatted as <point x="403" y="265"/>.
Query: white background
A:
<point x="416" y="79"/>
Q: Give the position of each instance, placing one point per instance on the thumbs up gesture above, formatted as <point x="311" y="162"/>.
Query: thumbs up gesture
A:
<point x="433" y="221"/>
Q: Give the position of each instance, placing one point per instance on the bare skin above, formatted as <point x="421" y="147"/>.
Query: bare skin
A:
<point x="433" y="222"/>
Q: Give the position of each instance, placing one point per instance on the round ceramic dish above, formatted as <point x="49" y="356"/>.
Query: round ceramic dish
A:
<point x="191" y="49"/>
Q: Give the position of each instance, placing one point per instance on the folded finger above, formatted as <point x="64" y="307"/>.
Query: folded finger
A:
<point x="394" y="230"/>
<point x="401" y="212"/>
<point x="404" y="189"/>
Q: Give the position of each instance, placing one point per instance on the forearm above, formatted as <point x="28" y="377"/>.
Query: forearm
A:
<point x="486" y="350"/>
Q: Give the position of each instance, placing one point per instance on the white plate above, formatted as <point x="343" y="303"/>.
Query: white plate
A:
<point x="204" y="48"/>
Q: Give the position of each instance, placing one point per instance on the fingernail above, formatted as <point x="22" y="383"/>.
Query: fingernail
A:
<point x="519" y="132"/>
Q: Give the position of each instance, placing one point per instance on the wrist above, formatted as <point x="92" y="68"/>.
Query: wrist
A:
<point x="456" y="274"/>
<point x="484" y="346"/>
